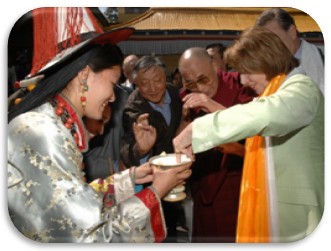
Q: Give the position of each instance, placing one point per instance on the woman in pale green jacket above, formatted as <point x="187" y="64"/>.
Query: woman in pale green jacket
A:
<point x="289" y="115"/>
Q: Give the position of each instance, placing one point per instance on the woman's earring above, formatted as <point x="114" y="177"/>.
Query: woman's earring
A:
<point x="83" y="97"/>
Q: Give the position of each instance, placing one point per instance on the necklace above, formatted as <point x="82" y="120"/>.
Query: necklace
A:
<point x="71" y="120"/>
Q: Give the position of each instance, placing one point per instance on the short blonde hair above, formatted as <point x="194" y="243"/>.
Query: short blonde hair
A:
<point x="259" y="50"/>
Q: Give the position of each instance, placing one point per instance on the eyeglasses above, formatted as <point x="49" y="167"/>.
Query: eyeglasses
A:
<point x="191" y="85"/>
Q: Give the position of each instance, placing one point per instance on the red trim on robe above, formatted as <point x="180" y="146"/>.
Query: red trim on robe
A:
<point x="150" y="200"/>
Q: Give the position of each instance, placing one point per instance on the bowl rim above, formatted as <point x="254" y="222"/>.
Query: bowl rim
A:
<point x="167" y="155"/>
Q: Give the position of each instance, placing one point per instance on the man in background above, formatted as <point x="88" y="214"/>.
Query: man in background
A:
<point x="310" y="57"/>
<point x="151" y="118"/>
<point x="216" y="51"/>
<point x="128" y="65"/>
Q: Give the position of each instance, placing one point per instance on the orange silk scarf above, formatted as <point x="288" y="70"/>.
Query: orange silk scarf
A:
<point x="253" y="216"/>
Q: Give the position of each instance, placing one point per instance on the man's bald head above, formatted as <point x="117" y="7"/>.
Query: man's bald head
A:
<point x="128" y="65"/>
<point x="193" y="54"/>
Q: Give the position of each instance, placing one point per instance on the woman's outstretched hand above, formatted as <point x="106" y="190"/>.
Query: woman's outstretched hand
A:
<point x="183" y="143"/>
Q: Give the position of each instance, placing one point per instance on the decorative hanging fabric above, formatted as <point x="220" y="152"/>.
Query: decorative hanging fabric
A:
<point x="254" y="217"/>
<point x="56" y="29"/>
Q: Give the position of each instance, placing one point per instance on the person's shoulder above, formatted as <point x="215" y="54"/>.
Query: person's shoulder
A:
<point x="121" y="92"/>
<point x="298" y="78"/>
<point x="41" y="119"/>
<point x="120" y="88"/>
<point x="128" y="89"/>
<point x="229" y="79"/>
<point x="135" y="102"/>
<point x="228" y="74"/>
<point x="172" y="89"/>
<point x="31" y="116"/>
<point x="307" y="46"/>
<point x="134" y="96"/>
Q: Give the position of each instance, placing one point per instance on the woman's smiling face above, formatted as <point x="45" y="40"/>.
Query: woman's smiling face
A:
<point x="101" y="91"/>
<point x="257" y="81"/>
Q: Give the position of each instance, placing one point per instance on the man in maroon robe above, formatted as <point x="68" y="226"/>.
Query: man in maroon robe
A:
<point x="216" y="177"/>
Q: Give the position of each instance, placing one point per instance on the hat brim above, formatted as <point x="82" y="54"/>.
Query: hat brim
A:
<point x="112" y="37"/>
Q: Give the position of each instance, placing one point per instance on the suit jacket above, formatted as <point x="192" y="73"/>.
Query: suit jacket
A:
<point x="311" y="62"/>
<point x="293" y="118"/>
<point x="137" y="105"/>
